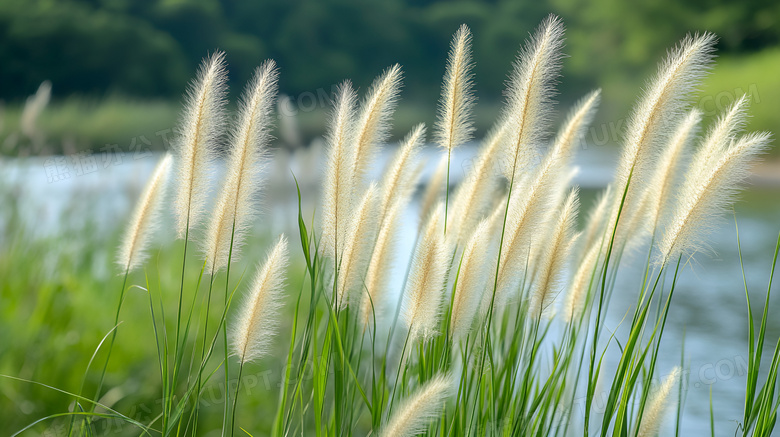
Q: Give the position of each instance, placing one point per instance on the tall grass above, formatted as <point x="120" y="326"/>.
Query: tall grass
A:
<point x="501" y="324"/>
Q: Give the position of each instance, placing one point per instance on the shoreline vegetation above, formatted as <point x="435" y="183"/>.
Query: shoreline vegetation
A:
<point x="499" y="327"/>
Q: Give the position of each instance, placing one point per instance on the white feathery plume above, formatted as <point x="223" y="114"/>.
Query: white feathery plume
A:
<point x="643" y="221"/>
<point x="596" y="221"/>
<point x="657" y="406"/>
<point x="476" y="192"/>
<point x="708" y="189"/>
<point x="665" y="176"/>
<point x="496" y="217"/>
<point x="721" y="135"/>
<point x="529" y="207"/>
<point x="433" y="191"/>
<point x="401" y="175"/>
<point x="454" y="126"/>
<point x="337" y="193"/>
<point x="585" y="274"/>
<point x="529" y="92"/>
<point x="424" y="291"/>
<point x="258" y="317"/>
<point x="144" y="219"/>
<point x="380" y="266"/>
<point x="357" y="249"/>
<point x="420" y="409"/>
<point x="547" y="282"/>
<point x="200" y="129"/>
<point x="474" y="271"/>
<point x="558" y="193"/>
<point x="566" y="141"/>
<point x="654" y="117"/>
<point x="574" y="127"/>
<point x="236" y="203"/>
<point x="373" y="123"/>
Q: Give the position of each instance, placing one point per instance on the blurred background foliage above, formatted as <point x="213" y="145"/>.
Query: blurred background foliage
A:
<point x="127" y="54"/>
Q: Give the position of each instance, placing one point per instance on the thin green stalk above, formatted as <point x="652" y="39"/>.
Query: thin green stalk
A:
<point x="235" y="399"/>
<point x="196" y="407"/>
<point x="169" y="396"/>
<point x="224" y="328"/>
<point x="401" y="363"/>
<point x="113" y="336"/>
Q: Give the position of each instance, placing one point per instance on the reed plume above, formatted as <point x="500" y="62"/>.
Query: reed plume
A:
<point x="474" y="271"/>
<point x="380" y="266"/>
<point x="144" y="219"/>
<point x="249" y="139"/>
<point x="337" y="186"/>
<point x="557" y="164"/>
<point x="652" y="120"/>
<point x="596" y="222"/>
<point x="401" y="175"/>
<point x="373" y="123"/>
<point x="585" y="275"/>
<point x="659" y="404"/>
<point x="700" y="200"/>
<point x="433" y="191"/>
<point x="665" y="176"/>
<point x="476" y="192"/>
<point x="258" y="317"/>
<point x="720" y="136"/>
<point x="528" y="208"/>
<point x="426" y="281"/>
<point x="420" y="409"/>
<point x="454" y="126"/>
<point x="643" y="220"/>
<point x="550" y="268"/>
<point x="529" y="105"/>
<point x="357" y="250"/>
<point x="200" y="130"/>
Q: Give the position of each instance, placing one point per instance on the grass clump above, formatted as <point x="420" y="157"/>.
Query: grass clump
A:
<point x="501" y="321"/>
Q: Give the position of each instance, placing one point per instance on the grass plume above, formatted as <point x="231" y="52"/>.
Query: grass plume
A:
<point x="373" y="122"/>
<point x="699" y="201"/>
<point x="401" y="174"/>
<point x="337" y="193"/>
<point x="259" y="314"/>
<point x="200" y="131"/>
<point x="236" y="203"/>
<point x="548" y="279"/>
<point x="422" y="407"/>
<point x="530" y="90"/>
<point x="144" y="218"/>
<point x="357" y="249"/>
<point x="381" y="263"/>
<point x="658" y="405"/>
<point x="475" y="193"/>
<point x="475" y="270"/>
<point x="654" y="116"/>
<point x="424" y="293"/>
